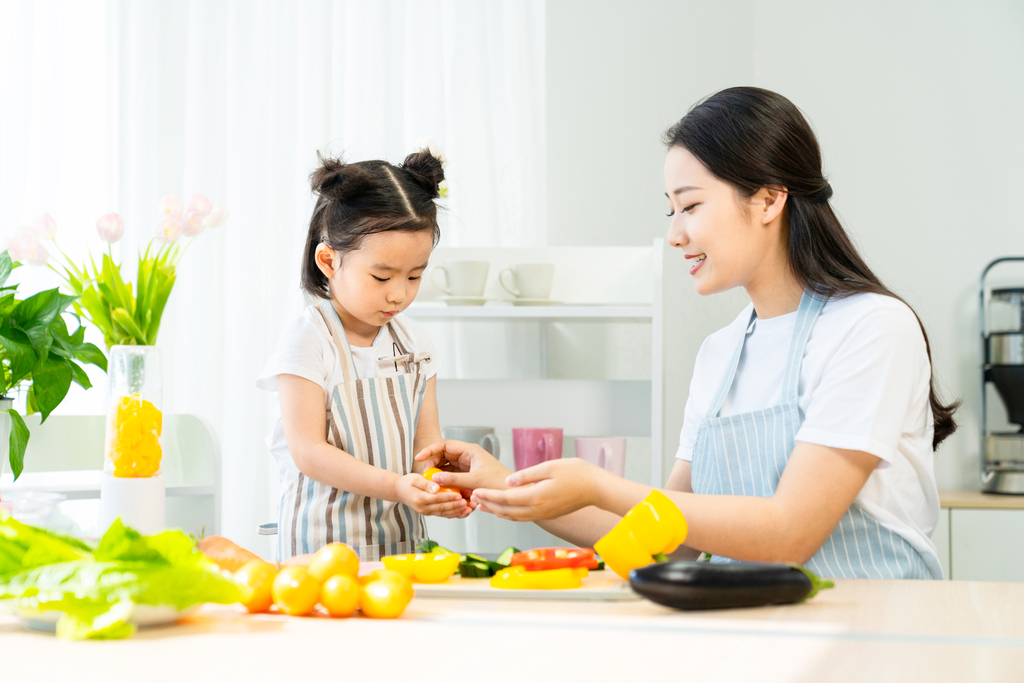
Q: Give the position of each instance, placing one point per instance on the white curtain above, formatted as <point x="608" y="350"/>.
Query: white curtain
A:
<point x="107" y="106"/>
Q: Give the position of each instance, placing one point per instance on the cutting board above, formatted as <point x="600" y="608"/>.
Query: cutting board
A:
<point x="603" y="586"/>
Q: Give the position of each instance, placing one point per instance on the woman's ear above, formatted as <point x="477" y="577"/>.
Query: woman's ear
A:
<point x="326" y="260"/>
<point x="771" y="202"/>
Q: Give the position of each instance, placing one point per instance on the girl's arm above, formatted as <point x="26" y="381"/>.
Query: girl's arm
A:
<point x="305" y="429"/>
<point x="817" y="487"/>
<point x="428" y="428"/>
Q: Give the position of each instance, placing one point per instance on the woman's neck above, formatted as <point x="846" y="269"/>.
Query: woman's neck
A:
<point x="775" y="292"/>
<point x="358" y="332"/>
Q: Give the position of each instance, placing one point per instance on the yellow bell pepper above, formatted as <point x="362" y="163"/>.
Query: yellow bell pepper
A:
<point x="133" y="446"/>
<point x="653" y="528"/>
<point x="546" y="579"/>
<point x="424" y="567"/>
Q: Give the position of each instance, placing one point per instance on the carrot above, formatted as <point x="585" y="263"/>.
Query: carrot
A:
<point x="226" y="554"/>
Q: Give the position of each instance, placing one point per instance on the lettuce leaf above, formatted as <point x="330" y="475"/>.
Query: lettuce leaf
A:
<point x="97" y="591"/>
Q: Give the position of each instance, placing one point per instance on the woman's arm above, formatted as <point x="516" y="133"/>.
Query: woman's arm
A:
<point x="305" y="429"/>
<point x="428" y="428"/>
<point x="817" y="487"/>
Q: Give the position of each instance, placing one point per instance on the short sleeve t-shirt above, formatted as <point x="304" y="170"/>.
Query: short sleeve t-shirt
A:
<point x="864" y="385"/>
<point x="306" y="349"/>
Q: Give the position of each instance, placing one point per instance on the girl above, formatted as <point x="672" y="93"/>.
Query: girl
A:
<point x="355" y="379"/>
<point x="811" y="422"/>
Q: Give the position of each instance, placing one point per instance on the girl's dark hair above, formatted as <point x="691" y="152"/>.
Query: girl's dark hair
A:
<point x="753" y="138"/>
<point x="365" y="198"/>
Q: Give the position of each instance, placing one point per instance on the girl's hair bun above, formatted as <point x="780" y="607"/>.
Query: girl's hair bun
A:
<point x="426" y="169"/>
<point x="335" y="180"/>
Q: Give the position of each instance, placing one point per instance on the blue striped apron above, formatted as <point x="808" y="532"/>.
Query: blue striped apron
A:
<point x="374" y="420"/>
<point x="745" y="455"/>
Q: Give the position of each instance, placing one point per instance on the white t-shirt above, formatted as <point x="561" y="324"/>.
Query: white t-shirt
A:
<point x="863" y="386"/>
<point x="306" y="349"/>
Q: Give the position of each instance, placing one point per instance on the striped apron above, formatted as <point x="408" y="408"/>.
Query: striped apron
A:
<point x="745" y="455"/>
<point x="373" y="420"/>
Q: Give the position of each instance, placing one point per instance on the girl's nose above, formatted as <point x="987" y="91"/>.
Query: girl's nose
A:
<point x="396" y="295"/>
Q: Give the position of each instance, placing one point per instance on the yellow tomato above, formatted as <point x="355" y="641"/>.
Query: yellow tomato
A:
<point x="384" y="599"/>
<point x="429" y="474"/>
<point x="388" y="575"/>
<point x="435" y="567"/>
<point x="295" y="591"/>
<point x="334" y="558"/>
<point x="259" y="576"/>
<point x="340" y="595"/>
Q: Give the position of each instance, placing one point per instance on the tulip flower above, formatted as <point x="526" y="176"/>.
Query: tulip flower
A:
<point x="170" y="207"/>
<point x="218" y="216"/>
<point x="200" y="205"/>
<point x="192" y="223"/>
<point x="45" y="227"/>
<point x="167" y="230"/>
<point x="110" y="227"/>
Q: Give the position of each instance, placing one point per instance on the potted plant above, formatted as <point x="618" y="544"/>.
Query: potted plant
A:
<point x="37" y="351"/>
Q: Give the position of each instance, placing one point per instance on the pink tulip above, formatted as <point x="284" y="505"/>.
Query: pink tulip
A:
<point x="167" y="230"/>
<point x="45" y="227"/>
<point x="199" y="204"/>
<point x="38" y="255"/>
<point x="192" y="224"/>
<point x="110" y="227"/>
<point x="218" y="216"/>
<point x="170" y="207"/>
<point x="23" y="245"/>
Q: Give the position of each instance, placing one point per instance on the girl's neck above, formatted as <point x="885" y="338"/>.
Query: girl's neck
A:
<point x="359" y="333"/>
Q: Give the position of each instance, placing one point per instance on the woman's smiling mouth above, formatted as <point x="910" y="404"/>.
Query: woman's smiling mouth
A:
<point x="696" y="261"/>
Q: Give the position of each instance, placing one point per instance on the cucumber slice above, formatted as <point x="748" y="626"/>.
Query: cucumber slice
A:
<point x="505" y="559"/>
<point x="470" y="557"/>
<point x="474" y="570"/>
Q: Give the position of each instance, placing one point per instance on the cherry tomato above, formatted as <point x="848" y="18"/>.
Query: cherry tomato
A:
<point x="429" y="474"/>
<point x="340" y="595"/>
<point x="383" y="599"/>
<point x="334" y="558"/>
<point x="259" y="576"/>
<point x="295" y="591"/>
<point x="390" y="576"/>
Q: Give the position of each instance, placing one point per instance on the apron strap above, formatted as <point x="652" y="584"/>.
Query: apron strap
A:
<point x="403" y="341"/>
<point x="730" y="373"/>
<point x="334" y="326"/>
<point x="810" y="306"/>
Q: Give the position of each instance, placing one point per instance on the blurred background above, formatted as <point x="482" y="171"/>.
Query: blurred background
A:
<point x="550" y="114"/>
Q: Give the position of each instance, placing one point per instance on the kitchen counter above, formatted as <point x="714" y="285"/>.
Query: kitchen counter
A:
<point x="861" y="630"/>
<point x="954" y="499"/>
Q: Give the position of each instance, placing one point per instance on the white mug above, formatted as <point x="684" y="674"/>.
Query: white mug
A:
<point x="528" y="280"/>
<point x="462" y="278"/>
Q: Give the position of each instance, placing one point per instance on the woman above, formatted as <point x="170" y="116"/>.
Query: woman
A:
<point x="812" y="419"/>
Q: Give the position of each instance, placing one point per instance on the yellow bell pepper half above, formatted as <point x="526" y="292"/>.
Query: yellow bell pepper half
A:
<point x="517" y="577"/>
<point x="133" y="433"/>
<point x="424" y="567"/>
<point x="653" y="528"/>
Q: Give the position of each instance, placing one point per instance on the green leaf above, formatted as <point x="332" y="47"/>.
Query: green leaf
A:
<point x="79" y="376"/>
<point x="124" y="319"/>
<point x="18" y="442"/>
<point x="51" y="379"/>
<point x="17" y="347"/>
<point x="90" y="353"/>
<point x="6" y="266"/>
<point x="38" y="309"/>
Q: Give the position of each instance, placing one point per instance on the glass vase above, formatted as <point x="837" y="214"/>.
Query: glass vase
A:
<point x="134" y="434"/>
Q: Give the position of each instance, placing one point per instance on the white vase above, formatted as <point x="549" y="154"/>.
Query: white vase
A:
<point x="5" y="436"/>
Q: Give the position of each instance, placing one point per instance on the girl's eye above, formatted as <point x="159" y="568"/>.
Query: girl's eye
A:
<point x="416" y="278"/>
<point x="380" y="279"/>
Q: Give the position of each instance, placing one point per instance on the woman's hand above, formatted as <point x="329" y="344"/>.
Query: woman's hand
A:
<point x="545" y="491"/>
<point x="476" y="467"/>
<point x="426" y="497"/>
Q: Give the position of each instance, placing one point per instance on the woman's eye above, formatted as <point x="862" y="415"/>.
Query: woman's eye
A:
<point x="671" y="213"/>
<point x="380" y="279"/>
<point x="689" y="208"/>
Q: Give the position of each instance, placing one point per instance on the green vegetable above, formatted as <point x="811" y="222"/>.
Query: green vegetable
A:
<point x="96" y="590"/>
<point x="474" y="570"/>
<point x="505" y="559"/>
<point x="477" y="567"/>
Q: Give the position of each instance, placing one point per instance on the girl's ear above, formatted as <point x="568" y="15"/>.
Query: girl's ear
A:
<point x="771" y="202"/>
<point x="326" y="260"/>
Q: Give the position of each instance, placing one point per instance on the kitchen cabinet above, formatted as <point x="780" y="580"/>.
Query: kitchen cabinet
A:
<point x="983" y="534"/>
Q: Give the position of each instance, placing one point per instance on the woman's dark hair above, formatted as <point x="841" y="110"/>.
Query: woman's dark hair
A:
<point x="753" y="138"/>
<point x="365" y="198"/>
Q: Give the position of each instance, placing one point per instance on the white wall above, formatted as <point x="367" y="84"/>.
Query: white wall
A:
<point x="919" y="107"/>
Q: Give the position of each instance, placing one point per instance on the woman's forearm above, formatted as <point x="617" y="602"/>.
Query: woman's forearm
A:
<point x="583" y="527"/>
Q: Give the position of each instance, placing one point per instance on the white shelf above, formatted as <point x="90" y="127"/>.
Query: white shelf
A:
<point x="81" y="484"/>
<point x="554" y="312"/>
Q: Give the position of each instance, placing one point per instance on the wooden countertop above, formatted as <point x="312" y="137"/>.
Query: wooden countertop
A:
<point x="954" y="499"/>
<point x="862" y="630"/>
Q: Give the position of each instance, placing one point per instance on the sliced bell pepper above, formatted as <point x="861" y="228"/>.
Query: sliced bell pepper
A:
<point x="653" y="528"/>
<point x="435" y="567"/>
<point x="554" y="558"/>
<point x="517" y="577"/>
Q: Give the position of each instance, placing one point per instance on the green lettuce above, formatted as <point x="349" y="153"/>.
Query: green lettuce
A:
<point x="96" y="589"/>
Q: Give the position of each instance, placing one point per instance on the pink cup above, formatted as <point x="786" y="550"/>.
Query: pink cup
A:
<point x="609" y="454"/>
<point x="533" y="446"/>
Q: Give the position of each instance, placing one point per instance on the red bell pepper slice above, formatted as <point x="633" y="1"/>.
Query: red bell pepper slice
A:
<point x="540" y="559"/>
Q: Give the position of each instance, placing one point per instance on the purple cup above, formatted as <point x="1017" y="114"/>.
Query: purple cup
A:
<point x="533" y="446"/>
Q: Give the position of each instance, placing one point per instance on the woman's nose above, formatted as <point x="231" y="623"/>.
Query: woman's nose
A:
<point x="676" y="235"/>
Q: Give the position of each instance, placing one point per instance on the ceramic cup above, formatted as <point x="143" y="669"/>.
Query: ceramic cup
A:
<point x="609" y="454"/>
<point x="484" y="436"/>
<point x="528" y="280"/>
<point x="533" y="446"/>
<point x="461" y="278"/>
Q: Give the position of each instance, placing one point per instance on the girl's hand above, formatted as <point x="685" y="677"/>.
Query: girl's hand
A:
<point x="544" y="491"/>
<point x="426" y="498"/>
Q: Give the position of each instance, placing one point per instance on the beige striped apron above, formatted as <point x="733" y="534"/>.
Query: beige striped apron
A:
<point x="373" y="420"/>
